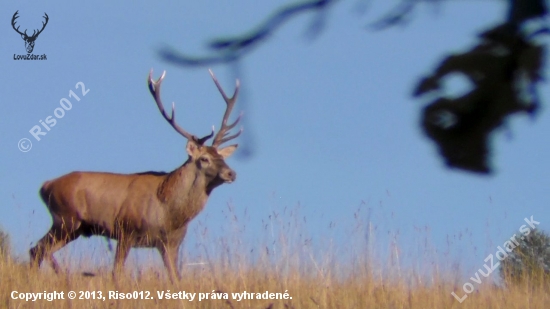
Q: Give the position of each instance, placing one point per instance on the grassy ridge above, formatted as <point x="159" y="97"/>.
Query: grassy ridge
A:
<point x="313" y="290"/>
<point x="283" y="262"/>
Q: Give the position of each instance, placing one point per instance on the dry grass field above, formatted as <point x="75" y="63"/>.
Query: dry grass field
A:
<point x="313" y="290"/>
<point x="285" y="264"/>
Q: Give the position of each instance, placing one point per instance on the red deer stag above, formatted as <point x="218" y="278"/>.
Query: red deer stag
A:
<point x="150" y="209"/>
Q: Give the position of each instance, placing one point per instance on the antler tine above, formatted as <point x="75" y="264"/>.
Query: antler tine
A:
<point x="223" y="140"/>
<point x="220" y="137"/>
<point x="43" y="23"/>
<point x="154" y="88"/>
<point x="201" y="140"/>
<point x="13" y="22"/>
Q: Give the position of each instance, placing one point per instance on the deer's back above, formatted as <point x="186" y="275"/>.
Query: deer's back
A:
<point x="102" y="198"/>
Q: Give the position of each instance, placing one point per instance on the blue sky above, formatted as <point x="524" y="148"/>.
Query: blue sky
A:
<point x="332" y="120"/>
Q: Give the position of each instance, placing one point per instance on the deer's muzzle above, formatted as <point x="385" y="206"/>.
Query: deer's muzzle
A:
<point x="228" y="175"/>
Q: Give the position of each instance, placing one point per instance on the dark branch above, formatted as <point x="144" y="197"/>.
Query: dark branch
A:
<point x="400" y="15"/>
<point x="231" y="49"/>
<point x="519" y="11"/>
<point x="226" y="50"/>
<point x="468" y="149"/>
<point x="505" y="84"/>
<point x="522" y="10"/>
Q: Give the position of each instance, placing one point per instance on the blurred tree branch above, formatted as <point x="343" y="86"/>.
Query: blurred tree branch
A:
<point x="231" y="49"/>
<point x="504" y="68"/>
<point x="460" y="127"/>
<point x="522" y="10"/>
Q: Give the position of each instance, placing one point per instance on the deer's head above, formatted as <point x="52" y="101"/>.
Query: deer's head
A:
<point x="29" y="40"/>
<point x="209" y="160"/>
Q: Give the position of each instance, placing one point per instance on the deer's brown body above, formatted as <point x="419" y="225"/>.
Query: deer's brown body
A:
<point x="150" y="209"/>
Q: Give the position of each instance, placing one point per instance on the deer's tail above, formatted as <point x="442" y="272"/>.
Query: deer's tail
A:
<point x="45" y="191"/>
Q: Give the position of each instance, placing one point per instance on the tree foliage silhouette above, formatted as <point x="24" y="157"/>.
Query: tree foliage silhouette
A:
<point x="504" y="68"/>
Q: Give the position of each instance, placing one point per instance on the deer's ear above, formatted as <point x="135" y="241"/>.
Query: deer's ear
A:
<point x="227" y="151"/>
<point x="192" y="149"/>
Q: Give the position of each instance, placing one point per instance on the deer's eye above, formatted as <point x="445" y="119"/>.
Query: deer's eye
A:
<point x="204" y="160"/>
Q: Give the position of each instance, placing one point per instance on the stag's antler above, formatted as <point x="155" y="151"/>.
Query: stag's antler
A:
<point x="13" y="23"/>
<point x="154" y="88"/>
<point x="34" y="34"/>
<point x="221" y="137"/>
<point x="43" y="25"/>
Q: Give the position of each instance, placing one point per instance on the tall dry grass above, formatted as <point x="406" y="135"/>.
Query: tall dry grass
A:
<point x="284" y="259"/>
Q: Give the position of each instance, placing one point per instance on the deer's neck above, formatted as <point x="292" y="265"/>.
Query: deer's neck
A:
<point x="184" y="193"/>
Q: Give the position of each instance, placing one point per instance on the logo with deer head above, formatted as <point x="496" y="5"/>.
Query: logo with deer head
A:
<point x="29" y="40"/>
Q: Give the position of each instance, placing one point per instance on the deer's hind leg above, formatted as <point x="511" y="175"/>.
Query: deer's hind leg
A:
<point x="61" y="233"/>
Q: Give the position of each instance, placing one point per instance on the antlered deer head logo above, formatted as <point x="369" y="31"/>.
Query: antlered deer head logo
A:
<point x="29" y="40"/>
